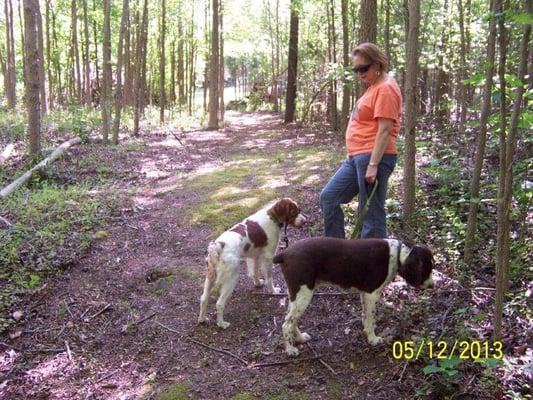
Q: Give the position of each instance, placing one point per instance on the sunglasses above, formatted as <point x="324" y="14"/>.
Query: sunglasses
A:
<point x="361" y="69"/>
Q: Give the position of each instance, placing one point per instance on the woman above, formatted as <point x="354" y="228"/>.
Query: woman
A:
<point x="371" y="146"/>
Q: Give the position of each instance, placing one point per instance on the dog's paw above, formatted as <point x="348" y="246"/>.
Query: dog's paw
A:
<point x="223" y="324"/>
<point x="202" y="320"/>
<point x="291" y="351"/>
<point x="259" y="283"/>
<point x="276" y="290"/>
<point x="304" y="337"/>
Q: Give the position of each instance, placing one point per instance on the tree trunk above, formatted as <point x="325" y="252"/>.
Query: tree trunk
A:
<point x="332" y="54"/>
<point x="411" y="110"/>
<point x="120" y="61"/>
<point x="40" y="46"/>
<point x="471" y="226"/>
<point x="106" y="87"/>
<point x="162" y="46"/>
<point x="33" y="106"/>
<point x="10" y="80"/>
<point x="368" y="17"/>
<point x="292" y="69"/>
<point x="86" y="59"/>
<point x="139" y="75"/>
<point x="506" y="174"/>
<point x="95" y="30"/>
<point x="213" y="69"/>
<point x="221" y="68"/>
<point x="49" y="57"/>
<point x="345" y="110"/>
<point x="463" y="73"/>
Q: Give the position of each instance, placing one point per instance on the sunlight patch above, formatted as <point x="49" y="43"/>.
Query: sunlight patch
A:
<point x="225" y="192"/>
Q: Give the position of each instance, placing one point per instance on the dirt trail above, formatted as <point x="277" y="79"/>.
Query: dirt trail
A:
<point x="121" y="323"/>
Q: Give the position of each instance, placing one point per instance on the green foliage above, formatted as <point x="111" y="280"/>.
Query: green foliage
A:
<point x="52" y="225"/>
<point x="177" y="391"/>
<point x="79" y="121"/>
<point x="12" y="125"/>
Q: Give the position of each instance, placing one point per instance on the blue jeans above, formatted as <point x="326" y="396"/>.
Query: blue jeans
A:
<point x="348" y="181"/>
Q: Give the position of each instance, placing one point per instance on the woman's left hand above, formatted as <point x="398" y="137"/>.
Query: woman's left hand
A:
<point x="371" y="173"/>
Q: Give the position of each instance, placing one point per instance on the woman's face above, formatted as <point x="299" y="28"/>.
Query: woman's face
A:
<point x="364" y="69"/>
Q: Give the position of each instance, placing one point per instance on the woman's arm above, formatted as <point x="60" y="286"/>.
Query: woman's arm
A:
<point x="385" y="126"/>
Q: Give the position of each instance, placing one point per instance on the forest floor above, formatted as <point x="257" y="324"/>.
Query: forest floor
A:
<point x="121" y="321"/>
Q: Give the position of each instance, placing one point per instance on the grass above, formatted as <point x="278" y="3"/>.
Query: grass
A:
<point x="247" y="182"/>
<point x="177" y="391"/>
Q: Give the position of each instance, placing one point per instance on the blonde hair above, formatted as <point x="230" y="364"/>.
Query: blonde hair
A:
<point x="373" y="54"/>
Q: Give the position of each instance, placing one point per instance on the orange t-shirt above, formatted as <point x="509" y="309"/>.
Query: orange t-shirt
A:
<point x="383" y="100"/>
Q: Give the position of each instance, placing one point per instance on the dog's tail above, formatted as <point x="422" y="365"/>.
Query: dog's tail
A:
<point x="278" y="258"/>
<point x="213" y="254"/>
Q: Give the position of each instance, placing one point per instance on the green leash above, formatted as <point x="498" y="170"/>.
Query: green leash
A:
<point x="356" y="232"/>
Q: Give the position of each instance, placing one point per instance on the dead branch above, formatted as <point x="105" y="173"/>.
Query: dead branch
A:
<point x="105" y="377"/>
<point x="5" y="222"/>
<point x="325" y="364"/>
<point x="276" y="363"/>
<point x="135" y="323"/>
<point x="69" y="353"/>
<point x="228" y="353"/>
<point x="6" y="153"/>
<point x="98" y="313"/>
<point x="167" y="328"/>
<point x="53" y="156"/>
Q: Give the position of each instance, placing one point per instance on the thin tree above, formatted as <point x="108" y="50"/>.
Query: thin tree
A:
<point x="411" y="109"/>
<point x="162" y="63"/>
<point x="10" y="78"/>
<point x="471" y="225"/>
<point x="106" y="87"/>
<point x="32" y="83"/>
<point x="214" y="69"/>
<point x="345" y="108"/>
<point x="221" y="67"/>
<point x="463" y="99"/>
<point x="368" y="17"/>
<point x="332" y="55"/>
<point x="86" y="58"/>
<point x="292" y="69"/>
<point x="120" y="61"/>
<point x="140" y="56"/>
<point x="40" y="46"/>
<point x="506" y="175"/>
<point x="49" y="56"/>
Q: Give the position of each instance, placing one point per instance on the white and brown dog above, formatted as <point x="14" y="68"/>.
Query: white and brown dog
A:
<point x="254" y="239"/>
<point x="366" y="265"/>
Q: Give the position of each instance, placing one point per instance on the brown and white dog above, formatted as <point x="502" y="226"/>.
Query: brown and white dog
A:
<point x="366" y="265"/>
<point x="254" y="239"/>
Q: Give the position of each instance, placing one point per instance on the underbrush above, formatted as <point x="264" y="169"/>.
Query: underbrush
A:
<point x="51" y="227"/>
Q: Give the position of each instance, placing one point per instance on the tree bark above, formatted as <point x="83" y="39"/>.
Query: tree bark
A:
<point x="471" y="226"/>
<point x="32" y="83"/>
<point x="120" y="61"/>
<point x="10" y="80"/>
<point x="106" y="87"/>
<point x="40" y="47"/>
<point x="213" y="69"/>
<point x="411" y="78"/>
<point x="162" y="46"/>
<point x="292" y="70"/>
<point x="86" y="59"/>
<point x="506" y="174"/>
<point x="345" y="109"/>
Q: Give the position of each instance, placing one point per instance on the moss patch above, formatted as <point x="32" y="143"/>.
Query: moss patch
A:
<point x="178" y="391"/>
